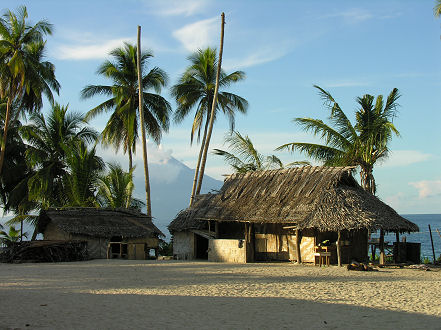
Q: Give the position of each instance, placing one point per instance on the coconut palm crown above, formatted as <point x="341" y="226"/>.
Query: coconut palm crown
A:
<point x="362" y="144"/>
<point x="122" y="127"/>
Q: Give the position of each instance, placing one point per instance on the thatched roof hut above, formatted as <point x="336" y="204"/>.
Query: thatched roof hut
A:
<point x="133" y="233"/>
<point x="324" y="198"/>
<point x="99" y="222"/>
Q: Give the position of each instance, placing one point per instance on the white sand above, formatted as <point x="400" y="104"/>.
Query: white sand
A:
<point x="120" y="294"/>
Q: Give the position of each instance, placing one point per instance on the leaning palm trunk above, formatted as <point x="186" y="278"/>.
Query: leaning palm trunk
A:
<point x="196" y="171"/>
<point x="213" y="107"/>
<point x="141" y="116"/>
<point x="5" y="133"/>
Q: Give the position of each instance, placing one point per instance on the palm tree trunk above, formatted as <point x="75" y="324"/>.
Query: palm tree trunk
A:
<point x="213" y="107"/>
<point x="130" y="159"/>
<point x="368" y="180"/>
<point x="5" y="133"/>
<point x="141" y="115"/>
<point x="196" y="171"/>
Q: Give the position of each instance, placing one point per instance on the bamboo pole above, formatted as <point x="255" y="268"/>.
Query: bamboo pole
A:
<point x="339" y="248"/>
<point x="397" y="237"/>
<point x="213" y="108"/>
<point x="431" y="241"/>
<point x="438" y="232"/>
<point x="141" y="116"/>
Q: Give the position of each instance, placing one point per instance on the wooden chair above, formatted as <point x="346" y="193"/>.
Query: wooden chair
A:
<point x="322" y="255"/>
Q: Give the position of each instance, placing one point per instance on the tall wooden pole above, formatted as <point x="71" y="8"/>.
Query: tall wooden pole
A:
<point x="213" y="108"/>
<point x="431" y="240"/>
<point x="141" y="117"/>
<point x="298" y="242"/>
<point x="339" y="248"/>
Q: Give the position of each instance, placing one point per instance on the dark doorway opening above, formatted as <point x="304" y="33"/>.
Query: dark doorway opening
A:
<point x="201" y="247"/>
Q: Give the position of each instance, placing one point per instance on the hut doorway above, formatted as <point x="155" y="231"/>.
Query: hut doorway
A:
<point x="201" y="247"/>
<point x="117" y="249"/>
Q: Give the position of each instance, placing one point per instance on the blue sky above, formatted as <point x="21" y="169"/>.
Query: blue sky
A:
<point x="349" y="48"/>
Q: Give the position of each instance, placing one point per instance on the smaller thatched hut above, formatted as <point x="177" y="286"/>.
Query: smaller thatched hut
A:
<point x="99" y="226"/>
<point x="284" y="215"/>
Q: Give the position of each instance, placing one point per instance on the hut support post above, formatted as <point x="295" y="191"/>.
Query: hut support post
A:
<point x="216" y="229"/>
<point x="338" y="248"/>
<point x="397" y="256"/>
<point x="382" y="256"/>
<point x="299" y="257"/>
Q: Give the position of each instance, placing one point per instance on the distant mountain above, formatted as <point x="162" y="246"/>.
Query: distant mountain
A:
<point x="170" y="185"/>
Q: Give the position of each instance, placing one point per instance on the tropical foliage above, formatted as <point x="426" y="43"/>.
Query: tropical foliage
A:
<point x="195" y="90"/>
<point x="13" y="235"/>
<point x="116" y="189"/>
<point x="243" y="156"/>
<point x="51" y="142"/>
<point x="437" y="8"/>
<point x="122" y="127"/>
<point x="24" y="75"/>
<point x="362" y="144"/>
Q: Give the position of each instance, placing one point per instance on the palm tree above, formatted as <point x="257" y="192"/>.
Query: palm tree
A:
<point x="245" y="158"/>
<point x="437" y="8"/>
<point x="116" y="189"/>
<point x="24" y="76"/>
<point x="50" y="140"/>
<point x="195" y="89"/>
<point x="84" y="169"/>
<point x="122" y="127"/>
<point x="362" y="144"/>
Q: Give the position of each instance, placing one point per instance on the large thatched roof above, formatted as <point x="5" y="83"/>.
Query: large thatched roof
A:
<point x="99" y="222"/>
<point x="326" y="198"/>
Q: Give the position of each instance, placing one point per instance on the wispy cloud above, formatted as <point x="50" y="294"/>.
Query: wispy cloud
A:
<point x="178" y="7"/>
<point x="257" y="57"/>
<point x="352" y="16"/>
<point x="427" y="188"/>
<point x="345" y="83"/>
<point x="400" y="158"/>
<point x="88" y="50"/>
<point x="199" y="34"/>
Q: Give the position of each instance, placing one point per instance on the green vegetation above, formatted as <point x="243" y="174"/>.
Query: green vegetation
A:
<point x="24" y="75"/>
<point x="245" y="158"/>
<point x="51" y="160"/>
<point x="345" y="144"/>
<point x="195" y="89"/>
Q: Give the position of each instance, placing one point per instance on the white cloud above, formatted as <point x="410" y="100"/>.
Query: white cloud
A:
<point x="427" y="188"/>
<point x="345" y="83"/>
<point x="89" y="50"/>
<point x="199" y="34"/>
<point x="178" y="7"/>
<point x="352" y="16"/>
<point x="257" y="57"/>
<point x="400" y="158"/>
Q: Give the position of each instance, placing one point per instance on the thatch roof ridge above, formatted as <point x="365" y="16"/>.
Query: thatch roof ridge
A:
<point x="294" y="195"/>
<point x="99" y="222"/>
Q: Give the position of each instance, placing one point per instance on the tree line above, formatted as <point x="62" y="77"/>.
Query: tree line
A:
<point x="51" y="161"/>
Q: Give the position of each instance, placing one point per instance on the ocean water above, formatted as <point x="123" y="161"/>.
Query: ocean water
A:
<point x="423" y="236"/>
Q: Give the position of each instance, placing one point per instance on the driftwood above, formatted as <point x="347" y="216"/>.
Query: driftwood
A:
<point x="44" y="251"/>
<point x="360" y="267"/>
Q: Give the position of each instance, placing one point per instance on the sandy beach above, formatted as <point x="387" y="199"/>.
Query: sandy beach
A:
<point x="121" y="294"/>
